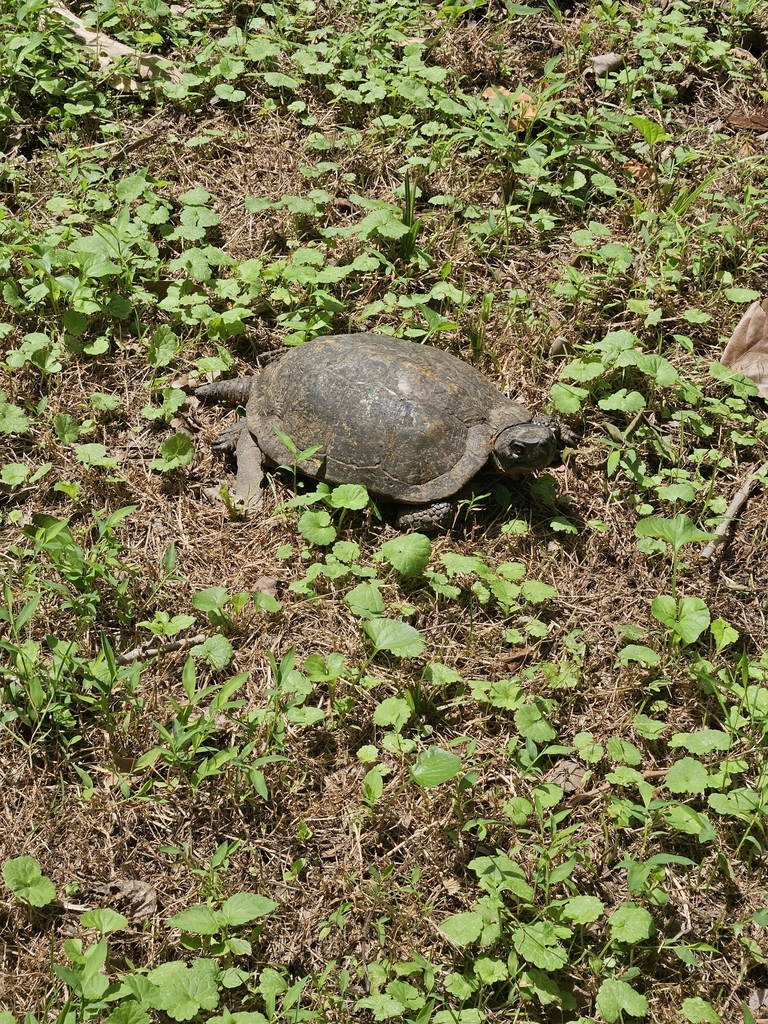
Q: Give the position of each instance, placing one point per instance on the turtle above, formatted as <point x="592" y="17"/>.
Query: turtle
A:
<point x="411" y="422"/>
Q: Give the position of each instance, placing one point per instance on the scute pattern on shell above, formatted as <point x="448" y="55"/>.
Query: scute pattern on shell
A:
<point x="411" y="422"/>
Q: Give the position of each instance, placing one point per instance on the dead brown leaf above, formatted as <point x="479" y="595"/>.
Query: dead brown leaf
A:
<point x="747" y="350"/>
<point x="638" y="170"/>
<point x="749" y="122"/>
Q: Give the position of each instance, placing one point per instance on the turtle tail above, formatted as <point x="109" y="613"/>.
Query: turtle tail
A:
<point x="235" y="391"/>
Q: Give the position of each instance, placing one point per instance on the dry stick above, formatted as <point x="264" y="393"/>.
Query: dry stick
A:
<point x="142" y="651"/>
<point x="731" y="512"/>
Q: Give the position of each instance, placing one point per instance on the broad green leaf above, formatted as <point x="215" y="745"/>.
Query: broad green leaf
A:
<point x="199" y="920"/>
<point x="94" y="455"/>
<point x="244" y="907"/>
<point x="212" y="599"/>
<point x="351" y="496"/>
<point x="702" y="742"/>
<point x="537" y="943"/>
<point x="393" y="711"/>
<point x="583" y="909"/>
<point x="567" y="398"/>
<point x="216" y="651"/>
<point x="616" y="997"/>
<point x="396" y="637"/>
<point x="650" y="131"/>
<point x="163" y="347"/>
<point x="741" y="294"/>
<point x="676" y="532"/>
<point x="489" y="969"/>
<point x="499" y="873"/>
<point x="623" y="401"/>
<point x="104" y="919"/>
<point x="66" y="428"/>
<point x="535" y="591"/>
<point x="723" y="633"/>
<point x="623" y="751"/>
<point x="463" y="929"/>
<point x="316" y="528"/>
<point x="699" y="1011"/>
<point x="433" y="767"/>
<point x="409" y="554"/>
<point x="14" y="473"/>
<point x="365" y="601"/>
<point x="531" y="723"/>
<point x="176" y="451"/>
<point x="637" y="652"/>
<point x="687" y="776"/>
<point x="126" y="1013"/>
<point x="184" y="991"/>
<point x="381" y="1006"/>
<point x="630" y="923"/>
<point x="25" y="878"/>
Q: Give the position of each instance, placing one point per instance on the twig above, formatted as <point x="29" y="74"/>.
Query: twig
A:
<point x="142" y="651"/>
<point x="731" y="512"/>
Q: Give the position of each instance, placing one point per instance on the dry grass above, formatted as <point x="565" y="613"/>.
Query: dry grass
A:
<point x="358" y="858"/>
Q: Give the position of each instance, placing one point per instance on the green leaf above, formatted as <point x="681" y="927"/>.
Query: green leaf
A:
<point x="316" y="528"/>
<point x="244" y="907"/>
<point x="623" y="401"/>
<point x="433" y="767"/>
<point x="104" y="919"/>
<point x="409" y="554"/>
<point x="688" y="618"/>
<point x="616" y="998"/>
<point x="126" y="1013"/>
<point x="651" y="132"/>
<point x="531" y="723"/>
<point x="394" y="712"/>
<point x="699" y="1011"/>
<point x="66" y="428"/>
<point x="14" y="473"/>
<point x="184" y="991"/>
<point x="176" y="451"/>
<point x="93" y="455"/>
<point x="499" y="873"/>
<point x="351" y="496"/>
<point x="687" y="776"/>
<point x="583" y="909"/>
<point x="163" y="347"/>
<point x="365" y="601"/>
<point x="395" y="636"/>
<point x="535" y="591"/>
<point x="741" y="295"/>
<point x="537" y="943"/>
<point x="198" y="920"/>
<point x="702" y="742"/>
<point x="382" y="1006"/>
<point x="676" y="532"/>
<point x="637" y="652"/>
<point x="630" y="923"/>
<point x="216" y="651"/>
<point x="723" y="633"/>
<point x="463" y="929"/>
<point x="212" y="599"/>
<point x="567" y="398"/>
<point x="25" y="879"/>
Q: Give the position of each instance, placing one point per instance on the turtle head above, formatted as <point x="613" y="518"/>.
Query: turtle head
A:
<point x="523" y="447"/>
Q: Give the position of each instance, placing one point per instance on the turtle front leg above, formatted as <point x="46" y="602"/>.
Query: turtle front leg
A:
<point x="435" y="518"/>
<point x="250" y="471"/>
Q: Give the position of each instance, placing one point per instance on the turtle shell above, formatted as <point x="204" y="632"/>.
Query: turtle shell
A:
<point x="411" y="422"/>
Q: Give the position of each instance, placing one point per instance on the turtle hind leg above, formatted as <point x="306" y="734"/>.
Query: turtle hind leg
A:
<point x="435" y="518"/>
<point x="250" y="470"/>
